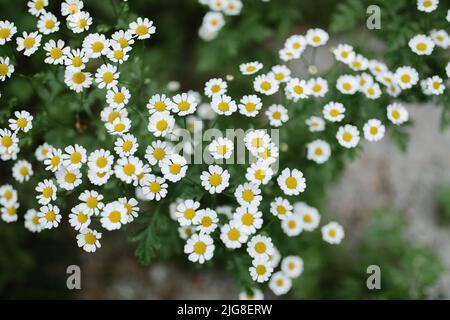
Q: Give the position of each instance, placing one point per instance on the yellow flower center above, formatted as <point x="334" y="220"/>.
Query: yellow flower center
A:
<point x="47" y="192"/>
<point x="49" y="24"/>
<point x="22" y="122"/>
<point x="4" y="68"/>
<point x="114" y="216"/>
<point x="78" y="77"/>
<point x="260" y="270"/>
<point x="421" y="46"/>
<point x="155" y="187"/>
<point x="24" y="171"/>
<point x="101" y="162"/>
<point x="127" y="146"/>
<point x="298" y="89"/>
<point x="316" y="39"/>
<point x="162" y="125"/>
<point x="91" y="202"/>
<point x="119" y="97"/>
<point x="395" y="114"/>
<point x="118" y="54"/>
<point x="119" y="127"/>
<point x="250" y="106"/>
<point x="260" y="247"/>
<point x="184" y="105"/>
<point x="373" y="130"/>
<point x="39" y="4"/>
<point x="70" y="177"/>
<point x="248" y="195"/>
<point x="215" y="180"/>
<point x="405" y="78"/>
<point x="233" y="234"/>
<point x="291" y="182"/>
<point x="50" y="216"/>
<point x="292" y="224"/>
<point x="318" y="152"/>
<point x="281" y="210"/>
<point x="200" y="247"/>
<point x="129" y="169"/>
<point x="89" y="238"/>
<point x="247" y="219"/>
<point x="97" y="46"/>
<point x="29" y="42"/>
<point x="276" y="115"/>
<point x="159" y="153"/>
<point x="175" y="168"/>
<point x="266" y="86"/>
<point x="223" y="106"/>
<point x="207" y="221"/>
<point x="189" y="213"/>
<point x="141" y="30"/>
<point x="260" y="174"/>
<point x="307" y="218"/>
<point x="81" y="217"/>
<point x="4" y="33"/>
<point x="332" y="233"/>
<point x="347" y="137"/>
<point x="75" y="157"/>
<point x="56" y="53"/>
<point x="55" y="161"/>
<point x="160" y="106"/>
<point x="108" y="77"/>
<point x="222" y="149"/>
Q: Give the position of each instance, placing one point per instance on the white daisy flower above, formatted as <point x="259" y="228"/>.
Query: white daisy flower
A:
<point x="123" y="38"/>
<point x="253" y="294"/>
<point x="277" y="115"/>
<point x="157" y="151"/>
<point x="119" y="126"/>
<point x="107" y="76"/>
<point x="332" y="233"/>
<point x="292" y="226"/>
<point x="160" y="124"/>
<point x="297" y="89"/>
<point x="364" y="80"/>
<point x="142" y="28"/>
<point x="184" y="104"/>
<point x="233" y="7"/>
<point x="434" y="85"/>
<point x="221" y="148"/>
<point x="377" y="68"/>
<point x="174" y="167"/>
<point x="359" y="63"/>
<point x="232" y="235"/>
<point x="32" y="221"/>
<point x="440" y="38"/>
<point x="213" y="22"/>
<point x="292" y="266"/>
<point x="109" y="114"/>
<point x="397" y="113"/>
<point x="206" y="221"/>
<point x="316" y="37"/>
<point x="22" y="171"/>
<point x="48" y="23"/>
<point x="348" y="136"/>
<point x="79" y="22"/>
<point x="186" y="211"/>
<point x="250" y="105"/>
<point x="47" y="192"/>
<point x="266" y="84"/>
<point x="79" y="218"/>
<point x="309" y="216"/>
<point x="100" y="160"/>
<point x="8" y="195"/>
<point x="200" y="248"/>
<point x="118" y="54"/>
<point x="257" y="141"/>
<point x="291" y="182"/>
<point x="37" y="7"/>
<point x="23" y="121"/>
<point x="280" y="284"/>
<point x="248" y="195"/>
<point x="281" y="73"/>
<point x="118" y="97"/>
<point x="54" y="160"/>
<point x="91" y="201"/>
<point x="68" y="179"/>
<point x="374" y="130"/>
<point x="74" y="157"/>
<point x="128" y="168"/>
<point x="28" y="42"/>
<point x="260" y="247"/>
<point x="249" y="219"/>
<point x="88" y="239"/>
<point x="99" y="178"/>
<point x="6" y="68"/>
<point x="318" y="151"/>
<point x="406" y="77"/>
<point x="159" y="103"/>
<point x="286" y="54"/>
<point x="281" y="208"/>
<point x="261" y="270"/>
<point x="344" y="53"/>
<point x="185" y="232"/>
<point x="373" y="91"/>
<point x="9" y="213"/>
<point x="131" y="207"/>
<point x="215" y="86"/>
<point x="96" y="45"/>
<point x="215" y="180"/>
<point x="296" y="43"/>
<point x="154" y="187"/>
<point x="56" y="52"/>
<point x="223" y="105"/>
<point x="421" y="45"/>
<point x="70" y="7"/>
<point x="427" y="5"/>
<point x="318" y="87"/>
<point x="113" y="216"/>
<point x="347" y="84"/>
<point x="334" y="111"/>
<point x="77" y="80"/>
<point x="315" y="124"/>
<point x="76" y="60"/>
<point x="49" y="216"/>
<point x="7" y="31"/>
<point x="250" y="67"/>
<point x="259" y="173"/>
<point x="126" y="145"/>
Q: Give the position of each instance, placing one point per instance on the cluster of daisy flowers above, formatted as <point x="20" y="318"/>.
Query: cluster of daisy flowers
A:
<point x="214" y="19"/>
